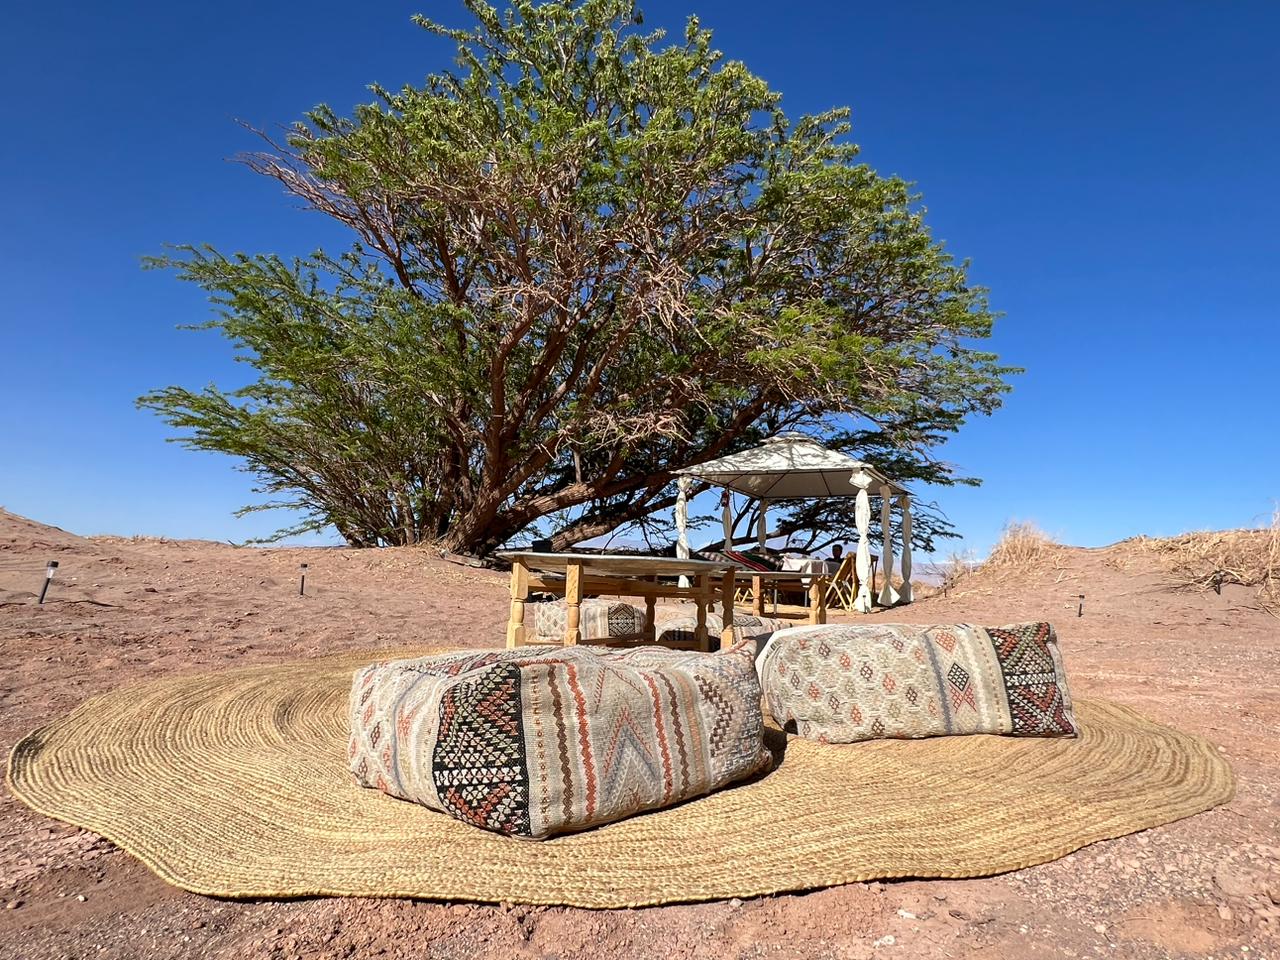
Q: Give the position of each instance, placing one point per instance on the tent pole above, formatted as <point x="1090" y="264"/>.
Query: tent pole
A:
<point x="888" y="595"/>
<point x="727" y="520"/>
<point x="761" y="525"/>
<point x="862" y="518"/>
<point x="904" y="504"/>
<point x="683" y="485"/>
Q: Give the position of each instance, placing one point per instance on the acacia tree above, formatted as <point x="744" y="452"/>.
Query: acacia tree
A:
<point x="581" y="257"/>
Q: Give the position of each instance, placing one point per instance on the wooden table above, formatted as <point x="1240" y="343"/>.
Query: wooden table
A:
<point x="818" y="584"/>
<point x="573" y="575"/>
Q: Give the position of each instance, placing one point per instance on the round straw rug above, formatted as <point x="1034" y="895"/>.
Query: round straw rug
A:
<point x="235" y="784"/>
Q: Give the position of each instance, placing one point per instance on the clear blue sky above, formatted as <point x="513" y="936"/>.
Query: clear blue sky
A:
<point x="1110" y="170"/>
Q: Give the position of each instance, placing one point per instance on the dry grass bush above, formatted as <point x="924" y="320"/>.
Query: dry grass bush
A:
<point x="1206" y="560"/>
<point x="956" y="570"/>
<point x="1023" y="547"/>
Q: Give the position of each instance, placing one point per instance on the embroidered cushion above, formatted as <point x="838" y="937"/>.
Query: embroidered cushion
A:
<point x="841" y="684"/>
<point x="597" y="620"/>
<point x="540" y="740"/>
<point x="745" y="627"/>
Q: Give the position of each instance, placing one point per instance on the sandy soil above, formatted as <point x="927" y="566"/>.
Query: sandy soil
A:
<point x="123" y="610"/>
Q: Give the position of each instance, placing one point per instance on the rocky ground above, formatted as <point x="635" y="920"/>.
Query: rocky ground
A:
<point x="123" y="610"/>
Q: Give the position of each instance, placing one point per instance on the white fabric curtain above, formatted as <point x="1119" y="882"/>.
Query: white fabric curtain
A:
<point x="888" y="595"/>
<point x="683" y="486"/>
<point x="904" y="504"/>
<point x="862" y="518"/>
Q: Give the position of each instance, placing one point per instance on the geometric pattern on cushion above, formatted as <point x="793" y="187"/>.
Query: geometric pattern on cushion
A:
<point x="745" y="627"/>
<point x="597" y="620"/>
<point x="536" y="741"/>
<point x="845" y="683"/>
<point x="477" y="763"/>
<point x="1039" y="703"/>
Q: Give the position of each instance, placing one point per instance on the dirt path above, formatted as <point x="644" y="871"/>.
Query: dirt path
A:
<point x="122" y="610"/>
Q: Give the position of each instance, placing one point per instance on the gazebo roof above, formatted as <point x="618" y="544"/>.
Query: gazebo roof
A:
<point x="789" y="466"/>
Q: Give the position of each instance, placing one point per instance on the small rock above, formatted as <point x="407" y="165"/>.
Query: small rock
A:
<point x="888" y="940"/>
<point x="940" y="897"/>
<point x="81" y="897"/>
<point x="1224" y="912"/>
<point x="1233" y="883"/>
<point x="735" y="903"/>
<point x="907" y="915"/>
<point x="13" y="905"/>
<point x="1099" y="928"/>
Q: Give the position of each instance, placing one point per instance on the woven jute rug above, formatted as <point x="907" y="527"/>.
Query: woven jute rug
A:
<point x="235" y="784"/>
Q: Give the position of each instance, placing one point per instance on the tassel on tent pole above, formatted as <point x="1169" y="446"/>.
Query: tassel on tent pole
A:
<point x="48" y="578"/>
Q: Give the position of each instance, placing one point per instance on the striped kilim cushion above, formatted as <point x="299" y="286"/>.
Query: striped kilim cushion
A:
<point x="841" y="684"/>
<point x="540" y="740"/>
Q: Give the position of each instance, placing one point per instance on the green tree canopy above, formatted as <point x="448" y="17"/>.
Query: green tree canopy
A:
<point x="583" y="256"/>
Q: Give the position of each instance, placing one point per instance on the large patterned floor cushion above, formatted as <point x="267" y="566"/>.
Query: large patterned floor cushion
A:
<point x="840" y="684"/>
<point x="540" y="740"/>
<point x="745" y="627"/>
<point x="597" y="620"/>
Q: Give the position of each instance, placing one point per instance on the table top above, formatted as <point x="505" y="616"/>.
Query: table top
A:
<point x="621" y="564"/>
<point x="786" y="574"/>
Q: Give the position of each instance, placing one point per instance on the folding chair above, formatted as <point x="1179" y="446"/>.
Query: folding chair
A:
<point x="842" y="591"/>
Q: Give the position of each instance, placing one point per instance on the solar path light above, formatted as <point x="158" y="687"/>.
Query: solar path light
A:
<point x="48" y="578"/>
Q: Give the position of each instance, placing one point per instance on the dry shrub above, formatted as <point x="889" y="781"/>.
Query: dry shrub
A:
<point x="957" y="568"/>
<point x="1023" y="546"/>
<point x="1208" y="559"/>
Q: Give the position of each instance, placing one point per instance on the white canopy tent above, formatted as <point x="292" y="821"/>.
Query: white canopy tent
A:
<point x="792" y="466"/>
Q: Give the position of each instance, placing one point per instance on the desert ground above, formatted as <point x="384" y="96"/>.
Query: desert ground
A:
<point x="123" y="610"/>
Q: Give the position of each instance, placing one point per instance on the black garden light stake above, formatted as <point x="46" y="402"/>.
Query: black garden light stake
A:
<point x="48" y="578"/>
<point x="1080" y="609"/>
<point x="302" y="580"/>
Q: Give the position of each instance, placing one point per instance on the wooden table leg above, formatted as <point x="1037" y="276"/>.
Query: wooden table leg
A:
<point x="727" y="586"/>
<point x="757" y="596"/>
<point x="700" y="636"/>
<point x="651" y="616"/>
<point x="573" y="603"/>
<point x="519" y="594"/>
<point x="818" y="600"/>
